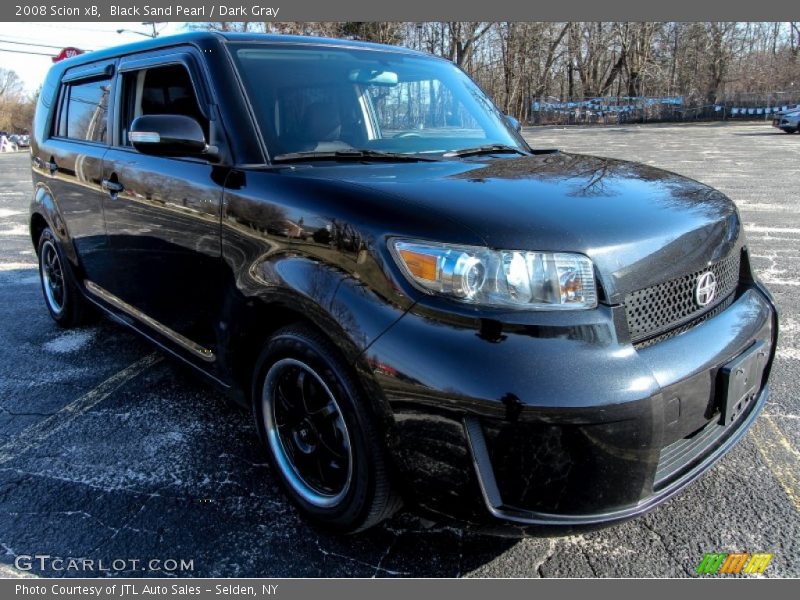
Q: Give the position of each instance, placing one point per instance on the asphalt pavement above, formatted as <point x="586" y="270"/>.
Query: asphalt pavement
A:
<point x="111" y="452"/>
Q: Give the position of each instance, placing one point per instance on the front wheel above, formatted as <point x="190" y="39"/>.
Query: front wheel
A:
<point x="320" y="435"/>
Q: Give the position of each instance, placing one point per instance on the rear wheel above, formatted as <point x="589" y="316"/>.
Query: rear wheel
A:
<point x="321" y="439"/>
<point x="63" y="299"/>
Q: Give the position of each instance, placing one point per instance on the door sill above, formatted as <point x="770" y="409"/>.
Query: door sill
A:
<point x="195" y="349"/>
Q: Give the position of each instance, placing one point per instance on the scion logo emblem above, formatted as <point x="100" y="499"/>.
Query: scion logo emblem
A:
<point x="706" y="288"/>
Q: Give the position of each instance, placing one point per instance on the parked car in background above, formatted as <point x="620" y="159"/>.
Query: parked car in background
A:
<point x="356" y="244"/>
<point x="788" y="122"/>
<point x="19" y="140"/>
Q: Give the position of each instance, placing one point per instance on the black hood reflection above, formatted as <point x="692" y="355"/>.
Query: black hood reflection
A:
<point x="641" y="225"/>
<point x="584" y="176"/>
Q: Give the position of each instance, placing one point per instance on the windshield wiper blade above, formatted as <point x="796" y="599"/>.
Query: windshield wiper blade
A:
<point x="350" y="155"/>
<point x="486" y="149"/>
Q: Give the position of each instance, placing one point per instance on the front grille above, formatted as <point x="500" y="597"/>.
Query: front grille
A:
<point x="687" y="326"/>
<point x="664" y="310"/>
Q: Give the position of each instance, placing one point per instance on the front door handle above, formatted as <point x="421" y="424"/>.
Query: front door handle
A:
<point x="112" y="187"/>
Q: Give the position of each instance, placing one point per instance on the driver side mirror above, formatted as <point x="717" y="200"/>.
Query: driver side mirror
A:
<point x="169" y="135"/>
<point x="515" y="125"/>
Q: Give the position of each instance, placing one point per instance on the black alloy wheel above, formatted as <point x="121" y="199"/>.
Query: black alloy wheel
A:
<point x="320" y="432"/>
<point x="307" y="433"/>
<point x="64" y="300"/>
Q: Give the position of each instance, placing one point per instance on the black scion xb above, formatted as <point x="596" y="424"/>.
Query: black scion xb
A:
<point x="360" y="248"/>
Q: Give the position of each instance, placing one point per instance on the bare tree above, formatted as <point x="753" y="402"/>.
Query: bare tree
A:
<point x="462" y="38"/>
<point x="10" y="84"/>
<point x="519" y="63"/>
<point x="16" y="107"/>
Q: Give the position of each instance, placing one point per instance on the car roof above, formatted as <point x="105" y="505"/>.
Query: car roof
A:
<point x="198" y="37"/>
<point x="313" y="40"/>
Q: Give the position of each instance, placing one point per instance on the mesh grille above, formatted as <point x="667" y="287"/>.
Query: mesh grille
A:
<point x="658" y="310"/>
<point x="686" y="326"/>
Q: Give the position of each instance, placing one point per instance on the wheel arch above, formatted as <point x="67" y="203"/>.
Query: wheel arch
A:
<point x="37" y="225"/>
<point x="328" y="300"/>
<point x="44" y="212"/>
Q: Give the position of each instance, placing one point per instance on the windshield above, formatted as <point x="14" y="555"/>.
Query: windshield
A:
<point x="327" y="99"/>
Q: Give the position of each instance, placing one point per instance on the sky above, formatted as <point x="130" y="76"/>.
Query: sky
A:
<point x="88" y="36"/>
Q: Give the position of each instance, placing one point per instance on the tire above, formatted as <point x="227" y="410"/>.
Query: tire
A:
<point x="64" y="300"/>
<point x="320" y="436"/>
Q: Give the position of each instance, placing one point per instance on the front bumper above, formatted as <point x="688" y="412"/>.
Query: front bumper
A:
<point x="563" y="425"/>
<point x="709" y="453"/>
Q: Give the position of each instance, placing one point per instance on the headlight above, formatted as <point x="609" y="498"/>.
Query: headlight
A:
<point x="503" y="278"/>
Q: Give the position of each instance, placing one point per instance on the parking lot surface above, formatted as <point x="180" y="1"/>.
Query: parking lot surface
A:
<point x="110" y="451"/>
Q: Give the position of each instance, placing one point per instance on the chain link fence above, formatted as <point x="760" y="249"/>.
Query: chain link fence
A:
<point x="660" y="109"/>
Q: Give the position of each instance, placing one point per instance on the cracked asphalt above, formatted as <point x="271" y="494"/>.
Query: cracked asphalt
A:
<point x="111" y="451"/>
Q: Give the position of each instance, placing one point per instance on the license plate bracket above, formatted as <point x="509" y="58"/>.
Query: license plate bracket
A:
<point x="741" y="380"/>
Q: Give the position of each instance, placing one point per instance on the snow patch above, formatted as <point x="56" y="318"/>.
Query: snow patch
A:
<point x="790" y="353"/>
<point x="71" y="341"/>
<point x="763" y="229"/>
<point x="13" y="266"/>
<point x="16" y="230"/>
<point x="29" y="280"/>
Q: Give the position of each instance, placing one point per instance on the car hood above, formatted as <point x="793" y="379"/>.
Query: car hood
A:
<point x="640" y="225"/>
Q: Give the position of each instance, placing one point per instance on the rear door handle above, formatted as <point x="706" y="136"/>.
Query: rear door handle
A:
<point x="112" y="187"/>
<point x="50" y="165"/>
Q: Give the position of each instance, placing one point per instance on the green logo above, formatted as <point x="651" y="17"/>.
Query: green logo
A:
<point x="733" y="563"/>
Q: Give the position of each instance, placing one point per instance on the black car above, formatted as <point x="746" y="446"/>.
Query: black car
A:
<point x="357" y="245"/>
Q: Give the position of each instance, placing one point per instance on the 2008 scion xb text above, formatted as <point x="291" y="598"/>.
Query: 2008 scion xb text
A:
<point x="127" y="589"/>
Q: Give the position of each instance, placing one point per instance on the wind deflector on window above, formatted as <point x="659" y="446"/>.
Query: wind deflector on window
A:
<point x="89" y="73"/>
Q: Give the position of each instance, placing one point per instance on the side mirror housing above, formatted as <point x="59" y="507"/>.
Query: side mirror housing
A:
<point x="169" y="135"/>
<point x="515" y="125"/>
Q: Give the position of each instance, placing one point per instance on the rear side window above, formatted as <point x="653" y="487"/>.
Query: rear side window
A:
<point x="83" y="111"/>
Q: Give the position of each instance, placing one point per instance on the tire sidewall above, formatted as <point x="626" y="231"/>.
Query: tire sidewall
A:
<point x="64" y="317"/>
<point x="351" y="510"/>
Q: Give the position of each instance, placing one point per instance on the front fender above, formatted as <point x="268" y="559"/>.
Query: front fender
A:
<point x="273" y="282"/>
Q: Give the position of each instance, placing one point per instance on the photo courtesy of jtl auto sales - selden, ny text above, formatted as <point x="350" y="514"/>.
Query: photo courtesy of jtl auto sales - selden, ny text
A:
<point x="352" y="299"/>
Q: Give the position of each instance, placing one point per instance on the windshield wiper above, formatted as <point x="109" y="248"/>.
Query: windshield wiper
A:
<point x="350" y="155"/>
<point x="486" y="149"/>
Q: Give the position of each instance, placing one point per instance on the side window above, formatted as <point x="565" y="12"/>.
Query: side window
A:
<point x="83" y="111"/>
<point x="164" y="90"/>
